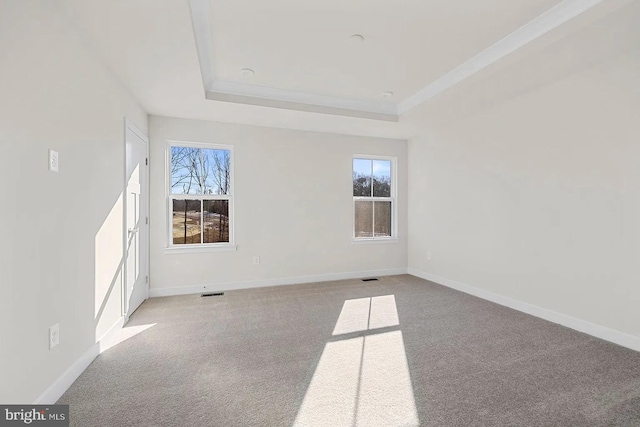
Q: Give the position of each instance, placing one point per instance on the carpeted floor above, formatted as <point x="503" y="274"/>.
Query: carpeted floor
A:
<point x="399" y="351"/>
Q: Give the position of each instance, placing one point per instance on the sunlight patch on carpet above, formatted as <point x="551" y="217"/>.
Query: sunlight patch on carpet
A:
<point x="383" y="312"/>
<point x="332" y="395"/>
<point x="362" y="381"/>
<point x="364" y="314"/>
<point x="123" y="335"/>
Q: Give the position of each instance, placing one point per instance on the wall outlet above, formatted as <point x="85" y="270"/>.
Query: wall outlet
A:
<point x="53" y="161"/>
<point x="256" y="260"/>
<point x="428" y="255"/>
<point x="54" y="335"/>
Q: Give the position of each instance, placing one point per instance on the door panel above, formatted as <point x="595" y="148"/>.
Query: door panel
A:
<point x="136" y="254"/>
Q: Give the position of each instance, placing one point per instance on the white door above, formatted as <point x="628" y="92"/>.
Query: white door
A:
<point x="136" y="288"/>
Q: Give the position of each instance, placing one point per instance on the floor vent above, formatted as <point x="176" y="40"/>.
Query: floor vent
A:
<point x="213" y="294"/>
<point x="373" y="279"/>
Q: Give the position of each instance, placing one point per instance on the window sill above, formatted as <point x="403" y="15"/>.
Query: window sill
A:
<point x="375" y="241"/>
<point x="194" y="250"/>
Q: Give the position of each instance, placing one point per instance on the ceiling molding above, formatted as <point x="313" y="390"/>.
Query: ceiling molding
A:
<point x="200" y="13"/>
<point x="280" y="98"/>
<point x="293" y="100"/>
<point x="242" y="93"/>
<point x="551" y="19"/>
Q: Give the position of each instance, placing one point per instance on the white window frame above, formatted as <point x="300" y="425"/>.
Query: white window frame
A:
<point x="172" y="248"/>
<point x="393" y="199"/>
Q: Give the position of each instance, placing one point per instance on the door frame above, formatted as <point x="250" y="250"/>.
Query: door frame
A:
<point x="129" y="126"/>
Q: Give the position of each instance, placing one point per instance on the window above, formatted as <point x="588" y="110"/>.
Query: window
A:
<point x="373" y="198"/>
<point x="200" y="195"/>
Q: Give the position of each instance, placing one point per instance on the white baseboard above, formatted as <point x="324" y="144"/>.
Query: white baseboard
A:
<point x="598" y="331"/>
<point x="229" y="286"/>
<point x="62" y="384"/>
<point x="57" y="389"/>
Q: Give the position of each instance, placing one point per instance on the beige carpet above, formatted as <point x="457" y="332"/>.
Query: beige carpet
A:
<point x="397" y="352"/>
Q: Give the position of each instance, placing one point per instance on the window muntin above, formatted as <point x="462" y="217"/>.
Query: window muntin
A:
<point x="373" y="198"/>
<point x="200" y="195"/>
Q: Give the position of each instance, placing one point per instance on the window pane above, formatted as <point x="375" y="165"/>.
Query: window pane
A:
<point x="186" y="222"/>
<point x="383" y="219"/>
<point x="186" y="170"/>
<point x="363" y="218"/>
<point x="216" y="221"/>
<point x="382" y="178"/>
<point x="362" y="177"/>
<point x="218" y="171"/>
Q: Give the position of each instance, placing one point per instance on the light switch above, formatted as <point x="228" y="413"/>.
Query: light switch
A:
<point x="53" y="161"/>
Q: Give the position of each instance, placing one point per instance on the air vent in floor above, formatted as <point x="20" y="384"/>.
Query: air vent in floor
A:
<point x="372" y="279"/>
<point x="213" y="294"/>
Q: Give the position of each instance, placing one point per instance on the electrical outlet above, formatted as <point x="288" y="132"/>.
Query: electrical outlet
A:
<point x="53" y="161"/>
<point x="54" y="335"/>
<point x="256" y="260"/>
<point x="428" y="255"/>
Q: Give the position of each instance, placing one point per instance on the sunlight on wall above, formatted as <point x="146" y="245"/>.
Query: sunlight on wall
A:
<point x="123" y="335"/>
<point x="362" y="381"/>
<point x="108" y="265"/>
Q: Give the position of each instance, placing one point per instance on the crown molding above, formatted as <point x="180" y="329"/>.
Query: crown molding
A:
<point x="551" y="19"/>
<point x="280" y="98"/>
<point x="200" y="13"/>
<point x="243" y="93"/>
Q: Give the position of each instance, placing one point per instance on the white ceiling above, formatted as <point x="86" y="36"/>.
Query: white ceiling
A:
<point x="303" y="47"/>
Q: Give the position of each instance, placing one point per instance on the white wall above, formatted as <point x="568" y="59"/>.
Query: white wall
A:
<point x="526" y="182"/>
<point x="293" y="208"/>
<point x="60" y="257"/>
